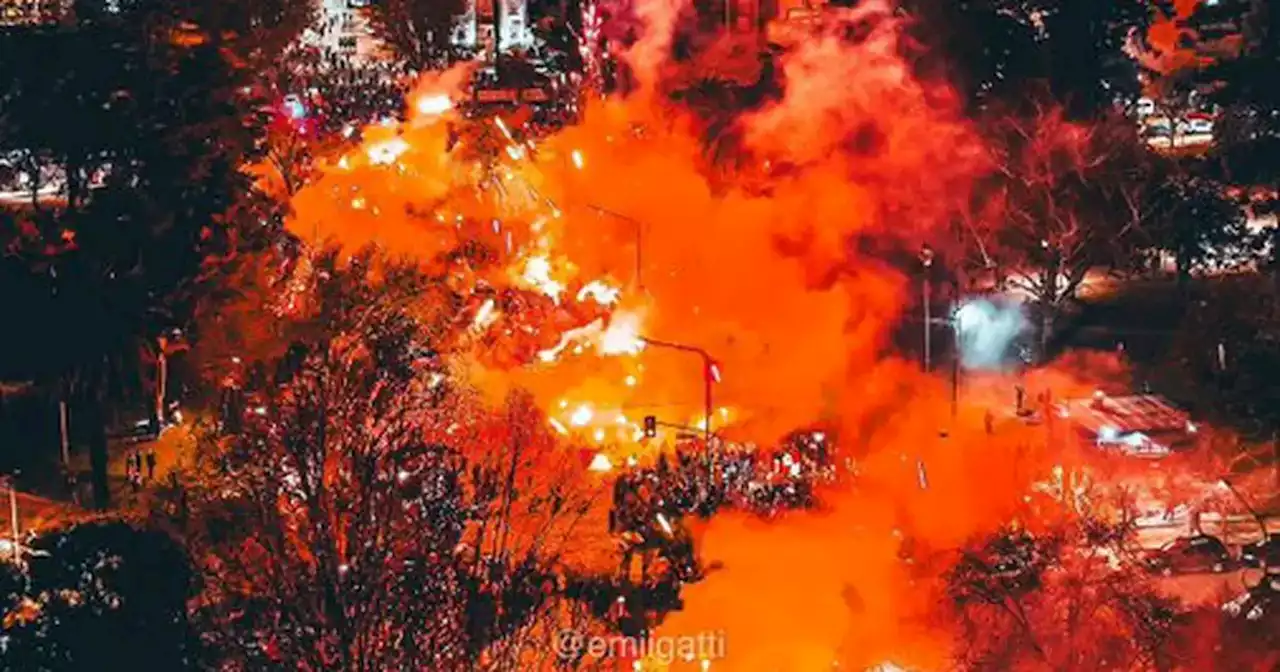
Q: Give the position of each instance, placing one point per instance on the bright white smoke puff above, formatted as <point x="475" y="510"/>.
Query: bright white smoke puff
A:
<point x="987" y="332"/>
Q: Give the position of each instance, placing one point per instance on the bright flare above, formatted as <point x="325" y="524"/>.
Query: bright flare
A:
<point x="433" y="105"/>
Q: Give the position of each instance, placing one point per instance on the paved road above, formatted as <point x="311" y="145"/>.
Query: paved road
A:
<point x="34" y="512"/>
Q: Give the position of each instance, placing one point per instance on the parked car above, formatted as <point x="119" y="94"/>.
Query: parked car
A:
<point x="1254" y="603"/>
<point x="1199" y="553"/>
<point x="1264" y="553"/>
<point x="1200" y="126"/>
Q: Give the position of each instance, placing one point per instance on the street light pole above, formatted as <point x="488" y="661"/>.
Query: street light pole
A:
<point x="1247" y="506"/>
<point x="639" y="231"/>
<point x="710" y="376"/>
<point x="955" y="370"/>
<point x="13" y="514"/>
<point x="926" y="262"/>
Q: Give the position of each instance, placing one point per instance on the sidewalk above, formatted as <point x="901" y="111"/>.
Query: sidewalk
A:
<point x="171" y="449"/>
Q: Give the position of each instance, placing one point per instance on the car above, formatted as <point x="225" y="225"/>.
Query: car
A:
<point x="1188" y="555"/>
<point x="1200" y="126"/>
<point x="1264" y="553"/>
<point x="1255" y="602"/>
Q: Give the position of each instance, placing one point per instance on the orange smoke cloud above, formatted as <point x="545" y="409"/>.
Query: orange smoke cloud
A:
<point x="619" y="225"/>
<point x="828" y="589"/>
<point x="760" y="276"/>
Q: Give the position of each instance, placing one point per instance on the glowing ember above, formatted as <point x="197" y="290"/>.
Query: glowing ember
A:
<point x="623" y="336"/>
<point x="485" y="316"/>
<point x="599" y="292"/>
<point x="582" y="416"/>
<point x="600" y="463"/>
<point x="386" y="152"/>
<point x="577" y="159"/>
<point x="537" y="273"/>
<point x="433" y="104"/>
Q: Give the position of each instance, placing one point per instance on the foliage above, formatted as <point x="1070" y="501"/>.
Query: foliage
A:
<point x="994" y="49"/>
<point x="417" y="31"/>
<point x="1242" y="315"/>
<point x="1192" y="218"/>
<point x="89" y="591"/>
<point x="364" y="497"/>
<point x="252" y="33"/>
<point x="1063" y="199"/>
<point x="102" y="273"/>
<point x="1056" y="601"/>
<point x="1249" y="141"/>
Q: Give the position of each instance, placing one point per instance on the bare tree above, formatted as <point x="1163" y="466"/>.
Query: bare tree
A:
<point x="1064" y="199"/>
<point x="418" y="31"/>
<point x="1054" y="601"/>
<point x="326" y="527"/>
<point x="371" y="514"/>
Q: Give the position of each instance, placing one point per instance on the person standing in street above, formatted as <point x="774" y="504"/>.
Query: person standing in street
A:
<point x="151" y="463"/>
<point x="133" y="468"/>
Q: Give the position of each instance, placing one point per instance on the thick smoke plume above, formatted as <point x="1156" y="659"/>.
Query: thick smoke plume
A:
<point x="767" y="272"/>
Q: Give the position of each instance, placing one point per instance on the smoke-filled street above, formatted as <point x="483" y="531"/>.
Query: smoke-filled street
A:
<point x="640" y="334"/>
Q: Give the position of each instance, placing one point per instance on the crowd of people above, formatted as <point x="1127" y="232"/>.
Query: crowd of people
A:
<point x="649" y="504"/>
<point x="336" y="93"/>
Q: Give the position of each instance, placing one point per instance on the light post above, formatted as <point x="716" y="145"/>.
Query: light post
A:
<point x="926" y="264"/>
<point x="710" y="376"/>
<point x="639" y="231"/>
<point x="13" y="514"/>
<point x="1224" y="483"/>
<point x="960" y="321"/>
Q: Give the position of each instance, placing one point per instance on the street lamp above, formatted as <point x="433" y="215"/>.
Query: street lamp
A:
<point x="1225" y="484"/>
<point x="639" y="231"/>
<point x="926" y="264"/>
<point x="10" y="483"/>
<point x="710" y="376"/>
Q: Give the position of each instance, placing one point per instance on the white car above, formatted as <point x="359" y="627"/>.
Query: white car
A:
<point x="1200" y="126"/>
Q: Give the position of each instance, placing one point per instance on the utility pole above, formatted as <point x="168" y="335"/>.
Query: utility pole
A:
<point x="62" y="429"/>
<point x="639" y="236"/>
<point x="955" y="371"/>
<point x="11" y="482"/>
<point x="498" y="10"/>
<point x="926" y="263"/>
<point x="710" y="376"/>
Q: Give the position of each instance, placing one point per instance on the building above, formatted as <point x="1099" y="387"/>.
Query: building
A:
<point x="341" y="28"/>
<point x="474" y="28"/>
<point x="33" y="12"/>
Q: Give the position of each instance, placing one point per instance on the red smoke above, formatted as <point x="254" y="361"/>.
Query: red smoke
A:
<point x="763" y="276"/>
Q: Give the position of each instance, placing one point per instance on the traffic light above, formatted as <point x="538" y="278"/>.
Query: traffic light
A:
<point x="650" y="426"/>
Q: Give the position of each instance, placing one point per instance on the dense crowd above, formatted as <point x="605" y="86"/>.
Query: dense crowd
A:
<point x="649" y="504"/>
<point x="335" y="92"/>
